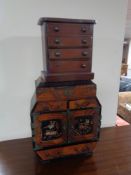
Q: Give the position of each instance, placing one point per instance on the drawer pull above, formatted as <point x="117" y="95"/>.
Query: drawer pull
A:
<point x="84" y="41"/>
<point x="85" y="53"/>
<point x="57" y="41"/>
<point x="83" y="29"/>
<point x="56" y="29"/>
<point x="83" y="65"/>
<point x="57" y="54"/>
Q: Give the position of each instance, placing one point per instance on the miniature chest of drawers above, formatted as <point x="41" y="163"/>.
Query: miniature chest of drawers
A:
<point x="67" y="47"/>
<point x="65" y="112"/>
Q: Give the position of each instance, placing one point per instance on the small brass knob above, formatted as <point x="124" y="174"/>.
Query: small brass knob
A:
<point x="57" y="54"/>
<point x="56" y="29"/>
<point x="57" y="41"/>
<point x="84" y="41"/>
<point x="83" y="65"/>
<point x="85" y="53"/>
<point x="83" y="29"/>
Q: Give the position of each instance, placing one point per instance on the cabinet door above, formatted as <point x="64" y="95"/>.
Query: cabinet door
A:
<point x="84" y="125"/>
<point x="50" y="129"/>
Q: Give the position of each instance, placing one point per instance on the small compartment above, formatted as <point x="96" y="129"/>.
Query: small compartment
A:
<point x="69" y="29"/>
<point x="83" y="104"/>
<point x="69" y="66"/>
<point x="72" y="41"/>
<point x="73" y="54"/>
<point x="50" y="106"/>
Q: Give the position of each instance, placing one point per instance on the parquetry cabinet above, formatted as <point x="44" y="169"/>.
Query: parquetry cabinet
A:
<point x="65" y="112"/>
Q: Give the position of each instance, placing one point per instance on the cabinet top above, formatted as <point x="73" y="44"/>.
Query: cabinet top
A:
<point x="64" y="20"/>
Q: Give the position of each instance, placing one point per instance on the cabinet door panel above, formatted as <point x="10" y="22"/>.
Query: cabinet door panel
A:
<point x="84" y="125"/>
<point x="50" y="129"/>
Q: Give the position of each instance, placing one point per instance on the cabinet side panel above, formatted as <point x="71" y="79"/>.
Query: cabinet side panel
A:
<point x="44" y="46"/>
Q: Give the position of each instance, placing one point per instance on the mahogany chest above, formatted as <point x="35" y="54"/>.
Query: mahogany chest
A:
<point x="65" y="112"/>
<point x="67" y="47"/>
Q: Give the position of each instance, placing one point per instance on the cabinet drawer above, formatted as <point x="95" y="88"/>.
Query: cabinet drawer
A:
<point x="69" y="29"/>
<point x="69" y="66"/>
<point x="72" y="41"/>
<point x="66" y="151"/>
<point x="65" y="93"/>
<point x="70" y="53"/>
<point x="50" y="106"/>
<point x="83" y="104"/>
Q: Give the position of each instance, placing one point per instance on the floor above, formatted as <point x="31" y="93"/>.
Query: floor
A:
<point x="111" y="157"/>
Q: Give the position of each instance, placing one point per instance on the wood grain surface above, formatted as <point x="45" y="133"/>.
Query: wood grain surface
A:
<point x="65" y="93"/>
<point x="112" y="156"/>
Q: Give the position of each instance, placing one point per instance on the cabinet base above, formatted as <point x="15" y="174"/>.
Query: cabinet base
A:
<point x="66" y="151"/>
<point x="66" y="76"/>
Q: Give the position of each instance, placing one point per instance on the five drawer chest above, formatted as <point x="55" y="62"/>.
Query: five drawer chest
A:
<point x="65" y="112"/>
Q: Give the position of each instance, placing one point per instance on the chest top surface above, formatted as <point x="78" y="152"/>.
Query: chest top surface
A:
<point x="61" y="20"/>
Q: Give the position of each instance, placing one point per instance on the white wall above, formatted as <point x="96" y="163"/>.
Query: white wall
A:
<point x="129" y="60"/>
<point x="21" y="55"/>
<point x="129" y="56"/>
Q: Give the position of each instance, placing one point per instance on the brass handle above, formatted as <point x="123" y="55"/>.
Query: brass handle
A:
<point x="83" y="65"/>
<point x="83" y="107"/>
<point x="83" y="29"/>
<point x="57" y="54"/>
<point x="56" y="29"/>
<point x="85" y="53"/>
<point x="57" y="41"/>
<point x="84" y="41"/>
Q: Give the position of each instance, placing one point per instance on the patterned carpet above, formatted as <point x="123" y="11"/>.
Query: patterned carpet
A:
<point x="121" y="122"/>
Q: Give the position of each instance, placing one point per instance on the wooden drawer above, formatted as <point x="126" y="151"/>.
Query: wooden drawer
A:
<point x="69" y="29"/>
<point x="69" y="66"/>
<point x="72" y="41"/>
<point x="83" y="104"/>
<point x="65" y="93"/>
<point x="70" y="53"/>
<point x="73" y="76"/>
<point x="66" y="151"/>
<point x="50" y="106"/>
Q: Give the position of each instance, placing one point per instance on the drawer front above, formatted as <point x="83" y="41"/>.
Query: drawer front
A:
<point x="69" y="76"/>
<point x="69" y="29"/>
<point x="69" y="66"/>
<point x="70" y="53"/>
<point x="50" y="106"/>
<point x="66" y="151"/>
<point x="84" y="125"/>
<point x="65" y="93"/>
<point x="61" y="42"/>
<point x="83" y="91"/>
<point x="83" y="104"/>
